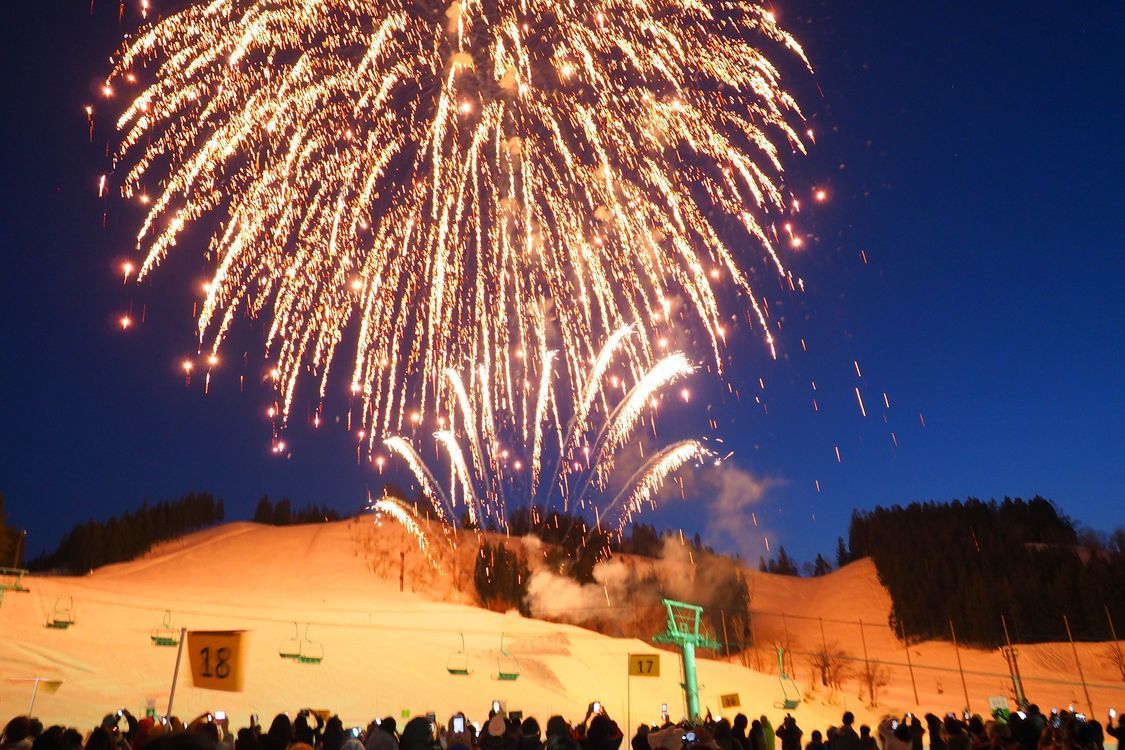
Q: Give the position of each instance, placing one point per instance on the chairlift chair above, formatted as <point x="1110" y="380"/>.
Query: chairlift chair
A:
<point x="164" y="634"/>
<point x="786" y="701"/>
<point x="290" y="648"/>
<point x="63" y="615"/>
<point x="311" y="652"/>
<point x="458" y="663"/>
<point x="507" y="666"/>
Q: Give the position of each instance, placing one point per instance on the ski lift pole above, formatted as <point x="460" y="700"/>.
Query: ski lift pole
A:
<point x="176" y="671"/>
<point x="683" y="631"/>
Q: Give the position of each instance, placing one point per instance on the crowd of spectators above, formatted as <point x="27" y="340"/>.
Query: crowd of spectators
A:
<point x="317" y="730"/>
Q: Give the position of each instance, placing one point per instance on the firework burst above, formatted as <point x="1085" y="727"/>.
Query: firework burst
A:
<point x="456" y="182"/>
<point x="485" y="478"/>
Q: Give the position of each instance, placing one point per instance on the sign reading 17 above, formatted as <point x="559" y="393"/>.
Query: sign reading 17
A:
<point x="644" y="665"/>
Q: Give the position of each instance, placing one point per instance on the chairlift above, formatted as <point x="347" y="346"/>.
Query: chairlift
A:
<point x="786" y="701"/>
<point x="63" y="615"/>
<point x="290" y="648"/>
<point x="311" y="652"/>
<point x="507" y="666"/>
<point x="164" y="634"/>
<point x="458" y="663"/>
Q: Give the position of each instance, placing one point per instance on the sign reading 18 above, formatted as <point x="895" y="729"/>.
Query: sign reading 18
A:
<point x="222" y="662"/>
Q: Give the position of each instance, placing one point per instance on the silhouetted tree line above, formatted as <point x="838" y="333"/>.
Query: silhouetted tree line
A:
<point x="9" y="540"/>
<point x="785" y="565"/>
<point x="284" y="514"/>
<point x="971" y="562"/>
<point x="95" y="543"/>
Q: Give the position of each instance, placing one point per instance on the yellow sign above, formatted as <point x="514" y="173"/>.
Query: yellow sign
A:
<point x="216" y="659"/>
<point x="730" y="700"/>
<point x="644" y="665"/>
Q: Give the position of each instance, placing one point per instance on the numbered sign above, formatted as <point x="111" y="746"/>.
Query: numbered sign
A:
<point x="644" y="665"/>
<point x="730" y="700"/>
<point x="216" y="659"/>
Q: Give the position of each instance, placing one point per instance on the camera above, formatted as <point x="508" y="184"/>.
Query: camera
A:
<point x="597" y="707"/>
<point x="356" y="731"/>
<point x="458" y="724"/>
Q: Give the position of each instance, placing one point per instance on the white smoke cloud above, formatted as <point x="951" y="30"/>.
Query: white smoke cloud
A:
<point x="731" y="514"/>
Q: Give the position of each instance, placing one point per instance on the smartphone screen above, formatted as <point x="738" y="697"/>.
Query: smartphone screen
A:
<point x="1113" y="713"/>
<point x="458" y="724"/>
<point x="220" y="715"/>
<point x="597" y="707"/>
<point x="495" y="707"/>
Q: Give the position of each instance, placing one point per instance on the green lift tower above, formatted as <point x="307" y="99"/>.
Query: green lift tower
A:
<point x="683" y="631"/>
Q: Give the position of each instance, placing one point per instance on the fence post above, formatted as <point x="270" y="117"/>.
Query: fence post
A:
<point x="1085" y="688"/>
<point x="957" y="650"/>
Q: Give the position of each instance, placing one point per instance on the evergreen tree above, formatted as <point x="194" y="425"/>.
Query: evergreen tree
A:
<point x="282" y="513"/>
<point x="8" y="537"/>
<point x="821" y="566"/>
<point x="842" y="556"/>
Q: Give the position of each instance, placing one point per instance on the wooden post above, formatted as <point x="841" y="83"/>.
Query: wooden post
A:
<point x="909" y="663"/>
<point x="401" y="570"/>
<point x="1078" y="664"/>
<point x="957" y="650"/>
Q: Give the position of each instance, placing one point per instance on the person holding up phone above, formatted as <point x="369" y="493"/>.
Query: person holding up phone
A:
<point x="1116" y="732"/>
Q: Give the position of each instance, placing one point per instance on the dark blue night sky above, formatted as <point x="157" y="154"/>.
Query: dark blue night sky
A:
<point x="974" y="153"/>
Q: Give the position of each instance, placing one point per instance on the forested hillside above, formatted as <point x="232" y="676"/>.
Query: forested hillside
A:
<point x="971" y="562"/>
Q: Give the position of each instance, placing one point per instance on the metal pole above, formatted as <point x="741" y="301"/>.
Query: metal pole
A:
<point x="867" y="665"/>
<point x="691" y="687"/>
<point x="1085" y="688"/>
<point x="726" y="638"/>
<point x="401" y="570"/>
<point x="957" y="650"/>
<point x="1116" y="643"/>
<point x="1014" y="666"/>
<point x="754" y="639"/>
<point x="785" y="625"/>
<point x="826" y="677"/>
<point x="176" y="671"/>
<point x="34" y="692"/>
<point x="628" y="695"/>
<point x="909" y="663"/>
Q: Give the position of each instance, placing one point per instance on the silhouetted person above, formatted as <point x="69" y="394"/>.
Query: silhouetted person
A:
<point x="790" y="734"/>
<point x="846" y="738"/>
